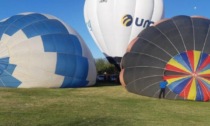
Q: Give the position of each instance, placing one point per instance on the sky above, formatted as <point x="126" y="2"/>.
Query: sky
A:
<point x="71" y="12"/>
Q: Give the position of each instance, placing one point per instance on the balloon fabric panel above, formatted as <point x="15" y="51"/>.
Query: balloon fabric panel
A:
<point x="6" y="78"/>
<point x="68" y="65"/>
<point x="23" y="22"/>
<point x="159" y="39"/>
<point x="62" y="43"/>
<point x="65" y="46"/>
<point x="4" y="25"/>
<point x="3" y="63"/>
<point x="184" y="26"/>
<point x="201" y="29"/>
<point x="45" y="27"/>
<point x="143" y="46"/>
<point x="172" y="34"/>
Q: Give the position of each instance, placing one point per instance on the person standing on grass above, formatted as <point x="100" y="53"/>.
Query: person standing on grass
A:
<point x="162" y="88"/>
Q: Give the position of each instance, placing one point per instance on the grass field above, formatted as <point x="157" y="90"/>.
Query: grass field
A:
<point x="96" y="106"/>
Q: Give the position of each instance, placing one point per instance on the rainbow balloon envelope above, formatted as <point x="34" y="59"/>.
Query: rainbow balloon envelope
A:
<point x="177" y="50"/>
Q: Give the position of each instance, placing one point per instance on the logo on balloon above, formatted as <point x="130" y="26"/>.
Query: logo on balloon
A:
<point x="127" y="20"/>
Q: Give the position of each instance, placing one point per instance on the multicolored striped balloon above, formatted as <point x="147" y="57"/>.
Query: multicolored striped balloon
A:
<point x="176" y="50"/>
<point x="188" y="74"/>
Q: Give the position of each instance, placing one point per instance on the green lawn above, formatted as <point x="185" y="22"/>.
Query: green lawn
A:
<point x="96" y="106"/>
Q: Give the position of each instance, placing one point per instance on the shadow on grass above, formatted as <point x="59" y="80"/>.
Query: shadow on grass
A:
<point x="106" y="83"/>
<point x="96" y="121"/>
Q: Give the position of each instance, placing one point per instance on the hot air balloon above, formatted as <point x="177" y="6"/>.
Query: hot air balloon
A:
<point x="39" y="50"/>
<point x="114" y="23"/>
<point x="176" y="50"/>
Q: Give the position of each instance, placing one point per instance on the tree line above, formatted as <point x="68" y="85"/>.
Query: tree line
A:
<point x="104" y="67"/>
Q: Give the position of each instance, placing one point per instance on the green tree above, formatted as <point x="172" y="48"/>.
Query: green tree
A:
<point x="102" y="66"/>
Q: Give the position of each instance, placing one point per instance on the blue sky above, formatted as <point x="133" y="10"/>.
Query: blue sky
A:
<point x="71" y="12"/>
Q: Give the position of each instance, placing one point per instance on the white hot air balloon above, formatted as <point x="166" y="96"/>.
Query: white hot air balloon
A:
<point x="114" y="23"/>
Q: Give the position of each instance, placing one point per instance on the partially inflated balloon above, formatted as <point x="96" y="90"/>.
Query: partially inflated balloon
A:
<point x="177" y="50"/>
<point x="39" y="50"/>
<point x="114" y="23"/>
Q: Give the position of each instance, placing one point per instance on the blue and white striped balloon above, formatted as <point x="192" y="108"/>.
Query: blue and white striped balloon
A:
<point x="39" y="50"/>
